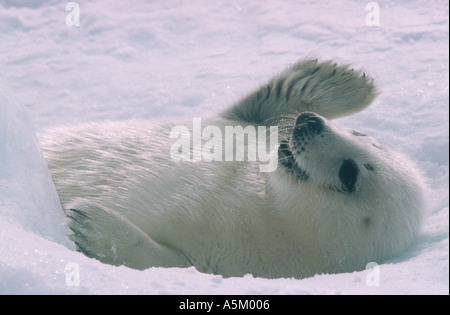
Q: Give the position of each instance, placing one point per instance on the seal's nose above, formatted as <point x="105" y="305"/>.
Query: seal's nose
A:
<point x="310" y="121"/>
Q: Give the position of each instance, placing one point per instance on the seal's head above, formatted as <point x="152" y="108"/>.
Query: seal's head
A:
<point x="332" y="157"/>
<point x="355" y="194"/>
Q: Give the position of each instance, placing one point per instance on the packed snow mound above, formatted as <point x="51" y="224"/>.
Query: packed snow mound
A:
<point x="27" y="195"/>
<point x="148" y="60"/>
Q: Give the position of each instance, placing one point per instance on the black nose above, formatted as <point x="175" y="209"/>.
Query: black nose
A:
<point x="310" y="121"/>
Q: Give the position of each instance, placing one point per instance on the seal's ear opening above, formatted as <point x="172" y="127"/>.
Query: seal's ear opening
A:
<point x="348" y="175"/>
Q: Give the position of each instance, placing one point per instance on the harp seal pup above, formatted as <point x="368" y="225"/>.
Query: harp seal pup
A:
<point x="337" y="200"/>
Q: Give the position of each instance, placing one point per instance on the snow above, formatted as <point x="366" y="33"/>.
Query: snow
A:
<point x="155" y="59"/>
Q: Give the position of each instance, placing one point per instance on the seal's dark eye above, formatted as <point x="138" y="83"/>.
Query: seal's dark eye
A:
<point x="348" y="174"/>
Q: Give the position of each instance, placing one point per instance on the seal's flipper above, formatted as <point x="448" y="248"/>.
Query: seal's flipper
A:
<point x="324" y="88"/>
<point x="114" y="240"/>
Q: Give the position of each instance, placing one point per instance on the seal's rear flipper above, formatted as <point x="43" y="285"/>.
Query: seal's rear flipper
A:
<point x="114" y="240"/>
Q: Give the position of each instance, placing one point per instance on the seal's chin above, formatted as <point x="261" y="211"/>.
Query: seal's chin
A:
<point x="285" y="155"/>
<point x="287" y="159"/>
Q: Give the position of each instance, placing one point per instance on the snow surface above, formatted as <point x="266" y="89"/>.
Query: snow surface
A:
<point x="154" y="59"/>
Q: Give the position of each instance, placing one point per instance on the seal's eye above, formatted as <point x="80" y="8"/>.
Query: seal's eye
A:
<point x="348" y="174"/>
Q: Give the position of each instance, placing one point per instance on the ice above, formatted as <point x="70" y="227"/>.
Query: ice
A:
<point x="27" y="194"/>
<point x="142" y="59"/>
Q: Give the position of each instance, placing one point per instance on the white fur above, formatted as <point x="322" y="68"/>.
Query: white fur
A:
<point x="129" y="203"/>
